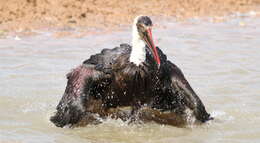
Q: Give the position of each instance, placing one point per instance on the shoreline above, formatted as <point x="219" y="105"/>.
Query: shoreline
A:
<point x="80" y="32"/>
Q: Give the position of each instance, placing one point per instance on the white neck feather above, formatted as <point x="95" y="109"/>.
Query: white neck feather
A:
<point x="138" y="54"/>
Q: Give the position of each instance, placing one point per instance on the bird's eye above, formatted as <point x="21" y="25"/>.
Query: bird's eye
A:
<point x="141" y="28"/>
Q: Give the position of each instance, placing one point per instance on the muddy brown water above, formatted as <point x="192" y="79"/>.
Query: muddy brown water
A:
<point x="220" y="60"/>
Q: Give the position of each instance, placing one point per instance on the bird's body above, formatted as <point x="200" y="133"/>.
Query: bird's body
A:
<point x="115" y="83"/>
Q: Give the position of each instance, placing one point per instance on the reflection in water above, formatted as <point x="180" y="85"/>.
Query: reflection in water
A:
<point x="220" y="60"/>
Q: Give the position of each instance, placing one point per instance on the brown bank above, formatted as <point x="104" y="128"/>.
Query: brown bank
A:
<point x="26" y="15"/>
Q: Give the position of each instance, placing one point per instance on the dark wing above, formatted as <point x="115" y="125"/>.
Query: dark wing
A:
<point x="173" y="79"/>
<point x="83" y="82"/>
<point x="71" y="108"/>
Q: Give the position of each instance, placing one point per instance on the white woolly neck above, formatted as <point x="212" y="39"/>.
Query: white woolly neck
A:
<point x="138" y="53"/>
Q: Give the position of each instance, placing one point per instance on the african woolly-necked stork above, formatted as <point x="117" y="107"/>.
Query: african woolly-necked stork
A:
<point x="135" y="83"/>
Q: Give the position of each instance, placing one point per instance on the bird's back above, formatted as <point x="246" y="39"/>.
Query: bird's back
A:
<point x="104" y="60"/>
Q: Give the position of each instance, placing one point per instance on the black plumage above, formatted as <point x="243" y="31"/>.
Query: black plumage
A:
<point x="107" y="84"/>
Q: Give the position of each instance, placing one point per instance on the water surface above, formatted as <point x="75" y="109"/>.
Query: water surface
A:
<point x="220" y="60"/>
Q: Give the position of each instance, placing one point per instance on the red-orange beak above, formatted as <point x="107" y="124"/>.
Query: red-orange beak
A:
<point x="149" y="41"/>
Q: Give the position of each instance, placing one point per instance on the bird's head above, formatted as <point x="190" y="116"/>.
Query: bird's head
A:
<point x="143" y="26"/>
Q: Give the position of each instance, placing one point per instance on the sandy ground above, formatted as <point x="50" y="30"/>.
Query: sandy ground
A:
<point x="27" y="15"/>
